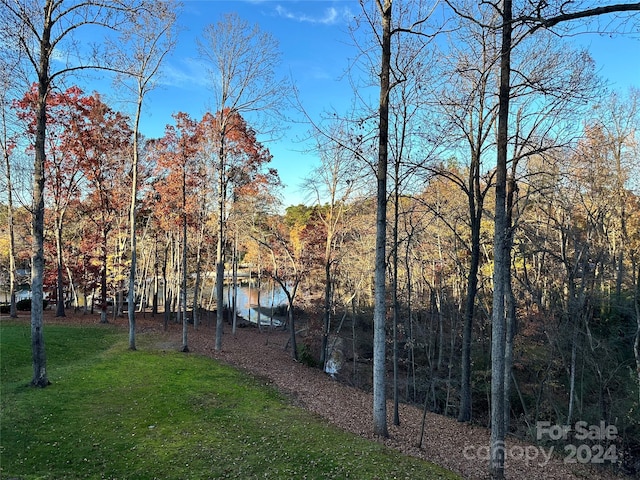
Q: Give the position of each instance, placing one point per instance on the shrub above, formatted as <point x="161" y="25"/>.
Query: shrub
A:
<point x="306" y="357"/>
<point x="25" y="304"/>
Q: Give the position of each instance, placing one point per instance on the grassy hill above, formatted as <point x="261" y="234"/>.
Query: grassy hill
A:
<point x="117" y="414"/>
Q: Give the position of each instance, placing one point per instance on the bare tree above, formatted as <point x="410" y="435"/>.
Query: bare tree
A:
<point x="282" y="237"/>
<point x="553" y="84"/>
<point x="242" y="61"/>
<point x="380" y="19"/>
<point x="541" y="15"/>
<point x="502" y="251"/>
<point x="410" y="151"/>
<point x="514" y="27"/>
<point x="332" y="185"/>
<point x="636" y="311"/>
<point x="469" y="64"/>
<point x="619" y="118"/>
<point x="150" y="37"/>
<point x="380" y="311"/>
<point x="7" y="85"/>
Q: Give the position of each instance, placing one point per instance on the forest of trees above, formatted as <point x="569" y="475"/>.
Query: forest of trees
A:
<point x="398" y="250"/>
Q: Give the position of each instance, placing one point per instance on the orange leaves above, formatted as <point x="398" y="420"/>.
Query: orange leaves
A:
<point x="180" y="174"/>
<point x="228" y="135"/>
<point x="85" y="138"/>
<point x="195" y="159"/>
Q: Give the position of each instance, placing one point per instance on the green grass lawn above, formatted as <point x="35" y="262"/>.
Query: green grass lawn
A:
<point x="116" y="414"/>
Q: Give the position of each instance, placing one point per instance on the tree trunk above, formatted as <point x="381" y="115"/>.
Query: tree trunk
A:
<point x="131" y="299"/>
<point x="572" y="373"/>
<point x="249" y="293"/>
<point x="379" y="313"/>
<point x="165" y="286"/>
<point x="59" y="271"/>
<point x="220" y="247"/>
<point x="510" y="332"/>
<point x="353" y="338"/>
<point x="411" y="371"/>
<point x="13" y="313"/>
<point x="437" y="303"/>
<point x="464" y="414"/>
<point x="197" y="287"/>
<point x="74" y="291"/>
<point x="259" y="289"/>
<point x="183" y="290"/>
<point x="103" y="279"/>
<point x="636" y="339"/>
<point x="501" y="257"/>
<point x="291" y="295"/>
<point x="234" y="281"/>
<point x="154" y="298"/>
<point x="327" y="309"/>
<point x="292" y="326"/>
<point x="143" y="288"/>
<point x="394" y="296"/>
<point x="40" y="378"/>
<point x="510" y="301"/>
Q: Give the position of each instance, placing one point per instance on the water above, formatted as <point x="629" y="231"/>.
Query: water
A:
<point x="247" y="302"/>
<point x="5" y="297"/>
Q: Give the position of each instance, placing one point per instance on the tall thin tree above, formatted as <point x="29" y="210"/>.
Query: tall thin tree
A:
<point x="7" y="144"/>
<point x="502" y="245"/>
<point x="242" y="62"/>
<point x="149" y="39"/>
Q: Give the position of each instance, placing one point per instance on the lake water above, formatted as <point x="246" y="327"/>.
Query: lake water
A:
<point x="247" y="301"/>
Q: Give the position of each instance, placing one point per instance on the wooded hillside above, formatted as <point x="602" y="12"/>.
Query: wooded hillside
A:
<point x="495" y="161"/>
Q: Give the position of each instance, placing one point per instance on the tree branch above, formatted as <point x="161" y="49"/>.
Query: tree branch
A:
<point x="592" y="12"/>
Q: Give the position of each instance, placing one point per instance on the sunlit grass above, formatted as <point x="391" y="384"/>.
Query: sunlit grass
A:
<point x="112" y="413"/>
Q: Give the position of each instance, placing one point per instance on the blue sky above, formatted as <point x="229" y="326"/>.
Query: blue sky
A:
<point x="316" y="49"/>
